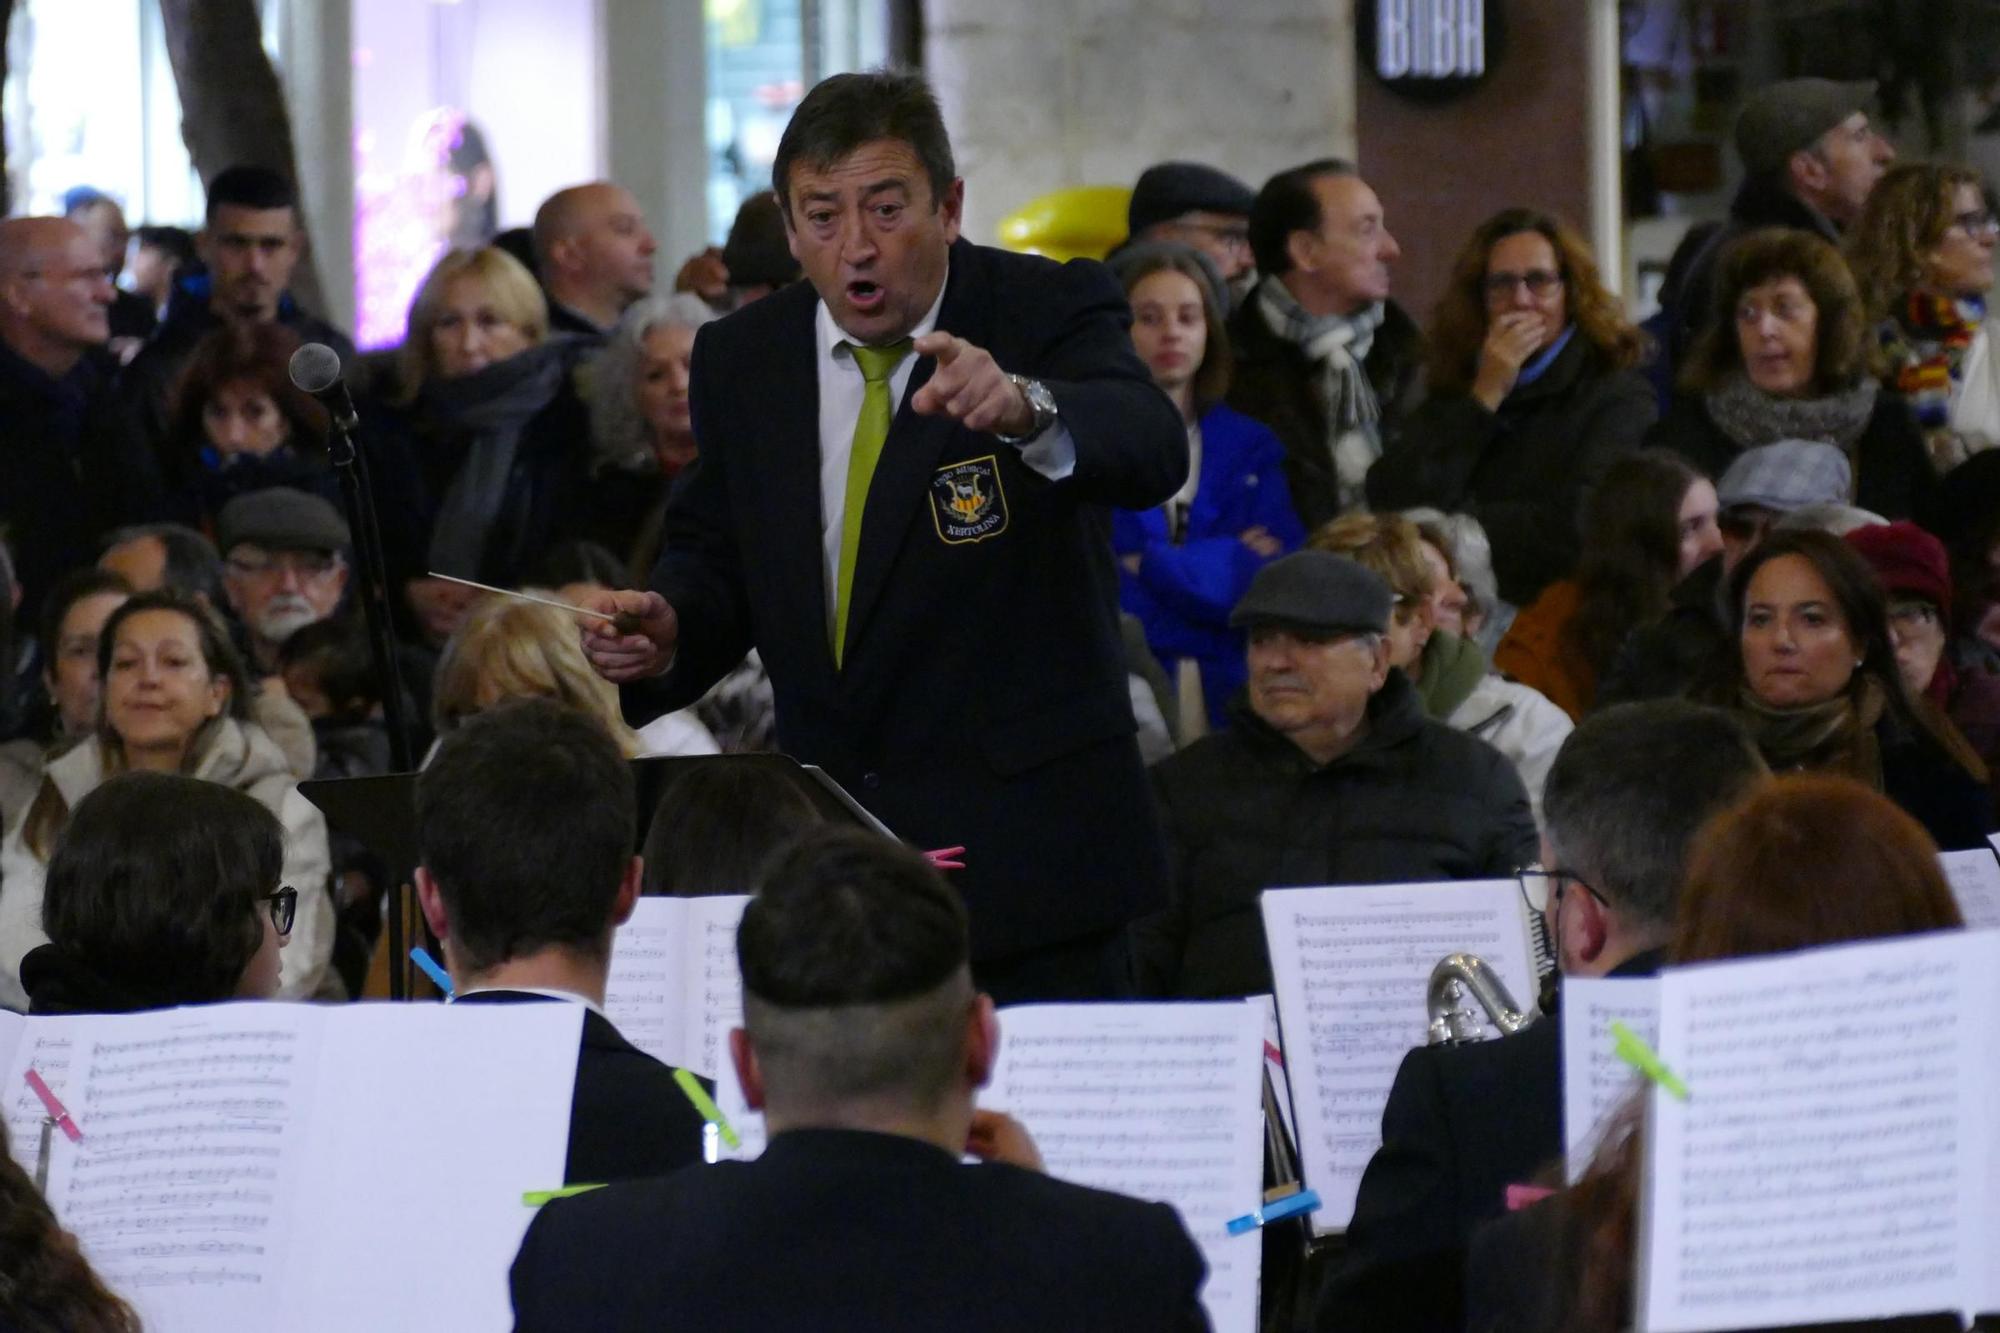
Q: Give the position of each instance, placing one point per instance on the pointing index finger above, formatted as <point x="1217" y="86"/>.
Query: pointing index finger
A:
<point x="944" y="346"/>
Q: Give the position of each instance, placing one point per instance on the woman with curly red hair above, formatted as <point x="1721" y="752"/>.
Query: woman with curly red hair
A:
<point x="1531" y="396"/>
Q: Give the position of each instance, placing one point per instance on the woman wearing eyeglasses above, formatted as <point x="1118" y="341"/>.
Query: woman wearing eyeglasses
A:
<point x="1786" y="358"/>
<point x="1922" y="254"/>
<point x="174" y="699"/>
<point x="162" y="890"/>
<point x="1531" y="396"/>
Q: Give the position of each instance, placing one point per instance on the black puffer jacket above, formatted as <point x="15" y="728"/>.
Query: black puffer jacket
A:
<point x="1246" y="810"/>
<point x="1521" y="471"/>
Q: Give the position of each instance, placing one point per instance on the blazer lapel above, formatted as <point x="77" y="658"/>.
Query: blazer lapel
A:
<point x="787" y="471"/>
<point x="899" y="495"/>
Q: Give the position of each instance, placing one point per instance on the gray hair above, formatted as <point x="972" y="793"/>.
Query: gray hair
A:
<point x="618" y="436"/>
<point x="1464" y="542"/>
<point x="1631" y="788"/>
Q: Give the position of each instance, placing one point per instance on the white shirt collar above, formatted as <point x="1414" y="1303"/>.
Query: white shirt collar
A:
<point x="832" y="336"/>
<point x="544" y="992"/>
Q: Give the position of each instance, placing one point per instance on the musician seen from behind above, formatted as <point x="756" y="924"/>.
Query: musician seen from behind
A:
<point x="864" y="1043"/>
<point x="1629" y="791"/>
<point x="1331" y="773"/>
<point x="907" y="467"/>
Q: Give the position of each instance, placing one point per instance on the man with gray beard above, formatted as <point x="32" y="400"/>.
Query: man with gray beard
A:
<point x="284" y="565"/>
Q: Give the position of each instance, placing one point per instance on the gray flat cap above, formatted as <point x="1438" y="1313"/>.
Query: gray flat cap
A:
<point x="1169" y="189"/>
<point x="281" y="519"/>
<point x="1317" y="591"/>
<point x="1780" y="118"/>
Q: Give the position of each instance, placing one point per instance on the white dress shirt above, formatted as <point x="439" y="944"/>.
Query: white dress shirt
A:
<point x="841" y="390"/>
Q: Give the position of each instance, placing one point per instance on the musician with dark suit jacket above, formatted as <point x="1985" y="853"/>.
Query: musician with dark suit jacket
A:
<point x="863" y="1042"/>
<point x="940" y="626"/>
<point x="1628" y="793"/>
<point x="526" y="820"/>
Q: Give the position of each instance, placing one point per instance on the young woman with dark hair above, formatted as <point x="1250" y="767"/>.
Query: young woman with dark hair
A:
<point x="716" y="827"/>
<point x="174" y="700"/>
<point x="163" y="890"/>
<point x="1648" y="524"/>
<point x="1820" y="690"/>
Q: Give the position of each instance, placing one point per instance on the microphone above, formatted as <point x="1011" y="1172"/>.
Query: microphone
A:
<point x="315" y="369"/>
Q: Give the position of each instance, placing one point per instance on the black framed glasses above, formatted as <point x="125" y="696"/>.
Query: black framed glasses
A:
<point x="1539" y="282"/>
<point x="1544" y="888"/>
<point x="284" y="906"/>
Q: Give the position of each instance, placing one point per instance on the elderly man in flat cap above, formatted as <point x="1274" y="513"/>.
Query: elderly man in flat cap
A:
<point x="1331" y="773"/>
<point x="1810" y="157"/>
<point x="1196" y="205"/>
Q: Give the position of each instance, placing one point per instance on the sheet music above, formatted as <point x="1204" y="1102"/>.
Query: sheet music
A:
<point x="674" y="991"/>
<point x="241" y="1163"/>
<point x="46" y="1046"/>
<point x="1975" y="883"/>
<point x="1596" y="1083"/>
<point x="1831" y="1161"/>
<point x="1351" y="965"/>
<point x="1162" y="1102"/>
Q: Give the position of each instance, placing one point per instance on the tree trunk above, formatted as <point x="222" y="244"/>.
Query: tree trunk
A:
<point x="232" y="109"/>
<point x="6" y="180"/>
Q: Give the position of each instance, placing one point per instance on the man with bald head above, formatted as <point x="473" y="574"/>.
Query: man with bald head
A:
<point x="595" y="254"/>
<point x="67" y="473"/>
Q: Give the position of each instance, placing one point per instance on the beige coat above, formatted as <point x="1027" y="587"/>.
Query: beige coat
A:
<point x="239" y="756"/>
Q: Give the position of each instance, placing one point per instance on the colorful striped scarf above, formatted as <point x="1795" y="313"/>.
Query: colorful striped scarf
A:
<point x="1925" y="344"/>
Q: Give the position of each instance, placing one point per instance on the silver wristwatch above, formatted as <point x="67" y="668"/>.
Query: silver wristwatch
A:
<point x="1041" y="401"/>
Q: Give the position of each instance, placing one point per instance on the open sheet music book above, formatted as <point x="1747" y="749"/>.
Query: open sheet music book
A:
<point x="1596" y="1082"/>
<point x="278" y="1166"/>
<point x="1352" y="964"/>
<point x="1838" y="1155"/>
<point x="1162" y="1102"/>
<point x="674" y="990"/>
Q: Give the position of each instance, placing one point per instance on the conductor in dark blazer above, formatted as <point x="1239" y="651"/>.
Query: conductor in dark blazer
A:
<point x="525" y="826"/>
<point x="1627" y="795"/>
<point x="863" y="1042"/>
<point x="940" y="626"/>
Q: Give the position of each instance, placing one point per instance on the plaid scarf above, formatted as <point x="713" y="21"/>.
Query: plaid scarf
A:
<point x="1924" y="345"/>
<point x="1337" y="345"/>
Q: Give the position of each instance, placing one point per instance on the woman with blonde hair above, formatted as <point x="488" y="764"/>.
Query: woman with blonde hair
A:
<point x="508" y="649"/>
<point x="486" y="449"/>
<point x="1452" y="676"/>
<point x="1922" y="255"/>
<point x="1532" y="394"/>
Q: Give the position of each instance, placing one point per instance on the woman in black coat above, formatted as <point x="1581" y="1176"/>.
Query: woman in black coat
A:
<point x="1531" y="396"/>
<point x="1784" y="359"/>
<point x="481" y="463"/>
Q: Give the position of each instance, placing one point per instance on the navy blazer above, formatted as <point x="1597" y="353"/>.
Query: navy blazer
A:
<point x="1462" y="1123"/>
<point x="833" y="1230"/>
<point x="983" y="697"/>
<point x="628" y="1118"/>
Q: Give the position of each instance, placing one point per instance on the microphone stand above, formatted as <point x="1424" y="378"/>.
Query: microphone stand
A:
<point x="359" y="501"/>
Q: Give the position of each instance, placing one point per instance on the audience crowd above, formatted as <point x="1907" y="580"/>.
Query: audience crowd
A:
<point x="1438" y="600"/>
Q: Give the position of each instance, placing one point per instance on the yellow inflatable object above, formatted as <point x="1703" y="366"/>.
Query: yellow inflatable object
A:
<point x="1082" y="222"/>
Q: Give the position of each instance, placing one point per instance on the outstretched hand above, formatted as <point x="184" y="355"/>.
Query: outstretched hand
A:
<point x="639" y="644"/>
<point x="969" y="387"/>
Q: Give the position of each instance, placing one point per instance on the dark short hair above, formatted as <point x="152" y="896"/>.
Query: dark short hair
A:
<point x="717" y="826"/>
<point x="193" y="564"/>
<point x="175" y="242"/>
<point x="855" y="982"/>
<point x="526" y="819"/>
<point x="251" y="187"/>
<point x="846" y="111"/>
<point x="1630" y="789"/>
<point x="218" y="650"/>
<point x="1287" y="204"/>
<point x="578" y="562"/>
<point x="157" y="884"/>
<point x="70" y="589"/>
<point x="336" y="651"/>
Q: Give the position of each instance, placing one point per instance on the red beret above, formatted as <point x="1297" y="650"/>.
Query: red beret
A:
<point x="1909" y="561"/>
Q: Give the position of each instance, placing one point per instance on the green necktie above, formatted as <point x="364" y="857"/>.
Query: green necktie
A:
<point x="871" y="429"/>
